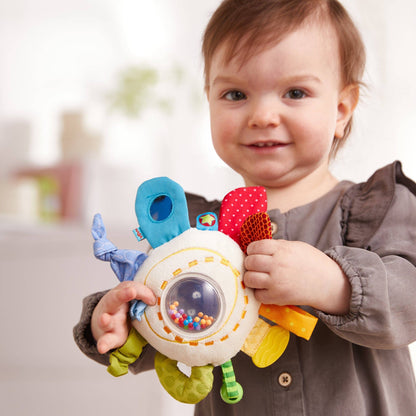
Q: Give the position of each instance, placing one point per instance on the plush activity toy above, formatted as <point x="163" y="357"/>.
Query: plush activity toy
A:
<point x="204" y="313"/>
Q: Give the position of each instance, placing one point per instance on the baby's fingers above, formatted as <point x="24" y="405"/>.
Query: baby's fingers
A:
<point x="125" y="292"/>
<point x="107" y="321"/>
<point x="256" y="280"/>
<point x="109" y="341"/>
<point x="264" y="296"/>
<point x="144" y="293"/>
<point x="264" y="247"/>
<point x="259" y="263"/>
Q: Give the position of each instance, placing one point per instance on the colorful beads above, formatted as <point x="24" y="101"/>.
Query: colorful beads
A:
<point x="189" y="322"/>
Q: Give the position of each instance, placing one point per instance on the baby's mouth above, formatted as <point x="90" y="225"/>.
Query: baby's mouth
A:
<point x="267" y="144"/>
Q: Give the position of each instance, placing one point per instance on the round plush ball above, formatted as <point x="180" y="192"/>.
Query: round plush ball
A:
<point x="200" y="272"/>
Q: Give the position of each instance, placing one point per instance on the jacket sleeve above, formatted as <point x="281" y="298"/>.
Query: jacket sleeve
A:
<point x="82" y="330"/>
<point x="86" y="343"/>
<point x="382" y="273"/>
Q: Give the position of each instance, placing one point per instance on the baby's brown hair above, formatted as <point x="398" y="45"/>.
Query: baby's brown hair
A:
<point x="247" y="27"/>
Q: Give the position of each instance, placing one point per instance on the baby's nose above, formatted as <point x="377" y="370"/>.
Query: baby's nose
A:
<point x="264" y="113"/>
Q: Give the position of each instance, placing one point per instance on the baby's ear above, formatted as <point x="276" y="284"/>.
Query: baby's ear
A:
<point x="348" y="100"/>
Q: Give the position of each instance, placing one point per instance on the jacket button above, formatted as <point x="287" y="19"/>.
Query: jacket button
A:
<point x="274" y="228"/>
<point x="285" y="379"/>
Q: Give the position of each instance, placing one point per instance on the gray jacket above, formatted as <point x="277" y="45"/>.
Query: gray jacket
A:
<point x="357" y="364"/>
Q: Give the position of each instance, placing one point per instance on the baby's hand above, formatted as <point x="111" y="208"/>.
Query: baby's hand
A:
<point x="109" y="323"/>
<point x="295" y="273"/>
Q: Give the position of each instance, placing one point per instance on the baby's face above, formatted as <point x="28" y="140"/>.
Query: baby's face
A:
<point x="274" y="117"/>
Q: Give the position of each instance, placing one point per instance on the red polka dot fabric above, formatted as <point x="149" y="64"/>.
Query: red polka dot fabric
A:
<point x="238" y="205"/>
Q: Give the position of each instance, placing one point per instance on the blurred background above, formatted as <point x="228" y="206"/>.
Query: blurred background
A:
<point x="97" y="96"/>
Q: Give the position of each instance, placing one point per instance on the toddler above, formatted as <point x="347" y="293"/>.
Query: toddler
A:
<point x="282" y="78"/>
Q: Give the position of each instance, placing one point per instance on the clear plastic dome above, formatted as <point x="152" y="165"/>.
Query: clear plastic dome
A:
<point x="193" y="304"/>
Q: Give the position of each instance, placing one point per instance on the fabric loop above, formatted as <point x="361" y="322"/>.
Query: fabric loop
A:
<point x="185" y="389"/>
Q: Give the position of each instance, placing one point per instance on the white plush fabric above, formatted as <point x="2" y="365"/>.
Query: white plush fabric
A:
<point x="219" y="259"/>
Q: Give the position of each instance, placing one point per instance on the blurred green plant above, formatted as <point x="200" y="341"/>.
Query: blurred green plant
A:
<point x="137" y="90"/>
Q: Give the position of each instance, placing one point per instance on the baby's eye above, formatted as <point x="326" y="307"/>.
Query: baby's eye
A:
<point x="295" y="94"/>
<point x="235" y="95"/>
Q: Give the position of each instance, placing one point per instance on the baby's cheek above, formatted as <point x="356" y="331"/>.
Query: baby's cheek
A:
<point x="223" y="127"/>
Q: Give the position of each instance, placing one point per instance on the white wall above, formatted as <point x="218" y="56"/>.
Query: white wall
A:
<point x="385" y="128"/>
<point x="60" y="55"/>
